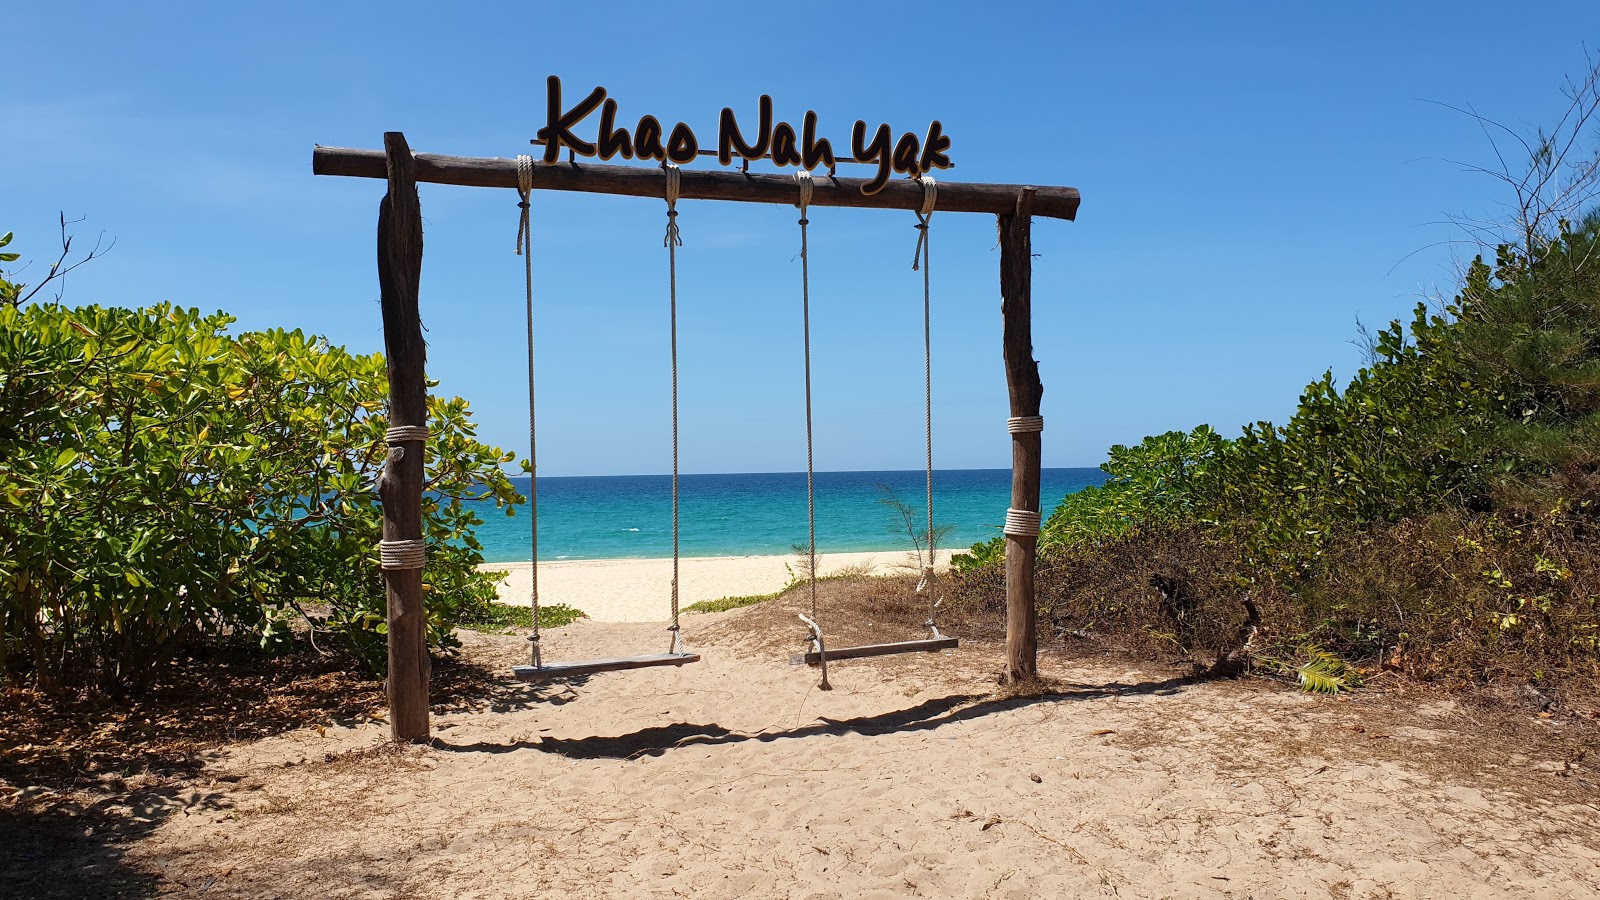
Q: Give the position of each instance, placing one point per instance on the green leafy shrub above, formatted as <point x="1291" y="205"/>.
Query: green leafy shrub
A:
<point x="165" y="480"/>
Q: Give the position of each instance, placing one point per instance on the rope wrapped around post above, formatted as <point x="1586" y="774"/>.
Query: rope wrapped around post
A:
<point x="402" y="433"/>
<point x="1025" y="424"/>
<point x="396" y="555"/>
<point x="1022" y="522"/>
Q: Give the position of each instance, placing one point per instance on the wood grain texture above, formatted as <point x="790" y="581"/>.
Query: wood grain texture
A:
<point x="869" y="650"/>
<point x="1022" y="382"/>
<point x="400" y="487"/>
<point x="699" y="184"/>
<point x="554" y="671"/>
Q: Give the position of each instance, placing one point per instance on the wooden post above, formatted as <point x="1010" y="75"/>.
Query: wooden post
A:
<point x="400" y="488"/>
<point x="1022" y="379"/>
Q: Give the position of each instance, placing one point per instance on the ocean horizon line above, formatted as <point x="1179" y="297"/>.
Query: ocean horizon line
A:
<point x="919" y="470"/>
<point x="595" y="517"/>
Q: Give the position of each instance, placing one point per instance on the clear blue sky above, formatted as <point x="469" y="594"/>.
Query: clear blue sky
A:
<point x="1254" y="180"/>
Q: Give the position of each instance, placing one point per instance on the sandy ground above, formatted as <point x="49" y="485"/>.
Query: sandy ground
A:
<point x="737" y="778"/>
<point x="639" y="590"/>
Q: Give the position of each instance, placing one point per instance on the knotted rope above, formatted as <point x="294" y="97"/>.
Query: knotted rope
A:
<point x="525" y="250"/>
<point x="803" y="181"/>
<point x="930" y="194"/>
<point x="673" y="241"/>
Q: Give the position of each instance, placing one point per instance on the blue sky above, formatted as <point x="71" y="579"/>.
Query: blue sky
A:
<point x="1255" y="178"/>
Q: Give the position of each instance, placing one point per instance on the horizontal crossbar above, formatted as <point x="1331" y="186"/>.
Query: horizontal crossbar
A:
<point x="700" y="184"/>
<point x="928" y="646"/>
<point x="592" y="666"/>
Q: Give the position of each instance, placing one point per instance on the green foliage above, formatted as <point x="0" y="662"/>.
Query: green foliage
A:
<point x="1435" y="512"/>
<point x="165" y="480"/>
<point x="727" y="603"/>
<point x="1322" y="672"/>
<point x="981" y="555"/>
<point x="495" y="617"/>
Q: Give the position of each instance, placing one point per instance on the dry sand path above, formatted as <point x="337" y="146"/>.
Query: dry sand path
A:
<point x="735" y="778"/>
<point x="638" y="590"/>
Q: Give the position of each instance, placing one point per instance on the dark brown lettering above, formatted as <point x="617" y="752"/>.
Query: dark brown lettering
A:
<point x="613" y="140"/>
<point x="908" y="155"/>
<point x="876" y="151"/>
<point x="682" y="145"/>
<point x="784" y="152"/>
<point x="813" y="151"/>
<point x="729" y="140"/>
<point x="558" y="128"/>
<point x="647" y="140"/>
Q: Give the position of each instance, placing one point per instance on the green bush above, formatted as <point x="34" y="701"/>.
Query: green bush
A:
<point x="164" y="480"/>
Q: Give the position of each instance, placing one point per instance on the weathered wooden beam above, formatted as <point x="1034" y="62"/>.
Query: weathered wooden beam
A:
<point x="400" y="488"/>
<point x="1022" y="381"/>
<point x="698" y="184"/>
<point x="554" y="671"/>
<point x="869" y="650"/>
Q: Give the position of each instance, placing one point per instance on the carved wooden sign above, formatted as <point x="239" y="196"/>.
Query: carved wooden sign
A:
<point x="780" y="142"/>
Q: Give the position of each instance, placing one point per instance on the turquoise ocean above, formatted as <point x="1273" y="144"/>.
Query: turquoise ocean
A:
<point x="624" y="516"/>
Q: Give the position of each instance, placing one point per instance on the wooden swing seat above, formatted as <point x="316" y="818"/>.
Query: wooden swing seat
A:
<point x="932" y="645"/>
<point x="553" y="671"/>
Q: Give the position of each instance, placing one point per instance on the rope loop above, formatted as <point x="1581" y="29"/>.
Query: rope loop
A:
<point x="524" y="188"/>
<point x="930" y="196"/>
<point x="1025" y="424"/>
<point x="396" y="555"/>
<point x="673" y="238"/>
<point x="806" y="183"/>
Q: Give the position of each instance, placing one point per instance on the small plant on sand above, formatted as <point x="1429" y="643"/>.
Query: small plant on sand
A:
<point x="907" y="519"/>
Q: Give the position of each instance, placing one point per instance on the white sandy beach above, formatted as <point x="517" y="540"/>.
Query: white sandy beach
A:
<point x="639" y="590"/>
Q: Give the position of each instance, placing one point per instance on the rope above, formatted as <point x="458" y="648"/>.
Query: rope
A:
<point x="673" y="175"/>
<point x="930" y="194"/>
<point x="394" y="555"/>
<point x="1022" y="522"/>
<point x="401" y="433"/>
<point x="1025" y="424"/>
<point x="673" y="241"/>
<point x="803" y="181"/>
<point x="525" y="250"/>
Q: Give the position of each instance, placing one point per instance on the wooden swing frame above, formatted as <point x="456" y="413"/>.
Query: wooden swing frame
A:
<point x="399" y="274"/>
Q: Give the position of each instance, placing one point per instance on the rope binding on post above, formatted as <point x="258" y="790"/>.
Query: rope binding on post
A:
<point x="397" y="555"/>
<point x="402" y="433"/>
<point x="1025" y="424"/>
<point x="1022" y="522"/>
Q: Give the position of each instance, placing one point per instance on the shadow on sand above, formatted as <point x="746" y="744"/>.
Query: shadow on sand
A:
<point x="925" y="716"/>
